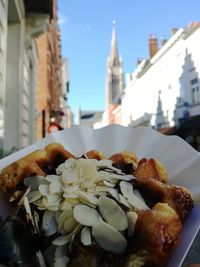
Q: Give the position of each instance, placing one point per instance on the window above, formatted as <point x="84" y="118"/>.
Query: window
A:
<point x="195" y="91"/>
<point x="194" y="81"/>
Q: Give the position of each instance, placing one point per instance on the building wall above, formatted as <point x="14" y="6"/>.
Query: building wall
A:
<point x="67" y="118"/>
<point x="18" y="59"/>
<point x="3" y="38"/>
<point x="163" y="73"/>
<point x="16" y="134"/>
<point x="49" y="85"/>
<point x="43" y="93"/>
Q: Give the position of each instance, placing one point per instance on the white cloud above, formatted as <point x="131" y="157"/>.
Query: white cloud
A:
<point x="62" y="19"/>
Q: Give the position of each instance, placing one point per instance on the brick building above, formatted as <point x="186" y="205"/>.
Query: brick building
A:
<point x="49" y="85"/>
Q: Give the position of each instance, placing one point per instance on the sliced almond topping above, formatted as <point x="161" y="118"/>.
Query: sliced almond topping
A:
<point x="62" y="261"/>
<point x="64" y="239"/>
<point x="53" y="178"/>
<point x="69" y="225"/>
<point x="64" y="216"/>
<point x="33" y="196"/>
<point x="108" y="238"/>
<point x="132" y="219"/>
<point x="88" y="168"/>
<point x="112" y="191"/>
<point x="112" y="213"/>
<point x="65" y="205"/>
<point x="108" y="184"/>
<point x="44" y="189"/>
<point x="89" y="197"/>
<point x="103" y="163"/>
<point x="86" y="238"/>
<point x="34" y="181"/>
<point x="133" y="200"/>
<point x="55" y="187"/>
<point x="123" y="201"/>
<point x="40" y="204"/>
<point x="49" y="224"/>
<point x="86" y="215"/>
<point x="53" y="199"/>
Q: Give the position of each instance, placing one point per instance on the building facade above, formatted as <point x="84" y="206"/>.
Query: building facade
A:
<point x="164" y="89"/>
<point x="49" y="77"/>
<point x="30" y="71"/>
<point x="89" y="117"/>
<point x="21" y="22"/>
<point x="67" y="118"/>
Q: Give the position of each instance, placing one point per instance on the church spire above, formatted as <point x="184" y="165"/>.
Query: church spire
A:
<point x="114" y="50"/>
<point x="115" y="75"/>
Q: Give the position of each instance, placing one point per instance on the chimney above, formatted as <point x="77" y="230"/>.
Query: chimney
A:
<point x="139" y="60"/>
<point x="153" y="45"/>
<point x="193" y="24"/>
<point x="163" y="41"/>
<point x="174" y="30"/>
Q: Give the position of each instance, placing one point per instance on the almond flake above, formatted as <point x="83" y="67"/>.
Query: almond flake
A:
<point x="33" y="196"/>
<point x="133" y="200"/>
<point x="34" y="181"/>
<point x="108" y="238"/>
<point x="55" y="187"/>
<point x="44" y="189"/>
<point x="112" y="213"/>
<point x="49" y="224"/>
<point x="69" y="225"/>
<point x="85" y="215"/>
<point x="64" y="216"/>
<point x="132" y="219"/>
<point x="64" y="239"/>
<point x="86" y="238"/>
<point x="88" y="197"/>
<point x="53" y="178"/>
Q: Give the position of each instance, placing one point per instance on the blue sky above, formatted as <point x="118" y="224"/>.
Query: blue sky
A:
<point x="86" y="27"/>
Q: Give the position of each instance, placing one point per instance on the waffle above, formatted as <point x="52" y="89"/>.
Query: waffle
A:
<point x="40" y="162"/>
<point x="157" y="230"/>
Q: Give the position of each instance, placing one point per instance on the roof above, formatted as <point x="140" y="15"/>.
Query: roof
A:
<point x="192" y="27"/>
<point x="89" y="118"/>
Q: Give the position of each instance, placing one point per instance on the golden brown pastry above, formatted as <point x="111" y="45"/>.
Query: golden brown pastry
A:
<point x="178" y="197"/>
<point x="94" y="154"/>
<point x="38" y="162"/>
<point x="12" y="175"/>
<point x="158" y="231"/>
<point x="151" y="168"/>
<point x="125" y="160"/>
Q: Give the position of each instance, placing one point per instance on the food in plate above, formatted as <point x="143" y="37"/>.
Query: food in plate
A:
<point x="96" y="211"/>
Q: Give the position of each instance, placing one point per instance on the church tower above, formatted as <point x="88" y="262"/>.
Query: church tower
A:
<point x="115" y="75"/>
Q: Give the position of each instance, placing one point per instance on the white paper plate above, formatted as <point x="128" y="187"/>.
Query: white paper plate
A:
<point x="180" y="159"/>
